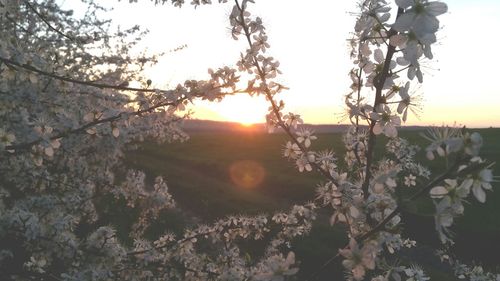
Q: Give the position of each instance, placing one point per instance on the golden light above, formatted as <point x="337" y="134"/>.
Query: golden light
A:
<point x="242" y="108"/>
<point x="247" y="173"/>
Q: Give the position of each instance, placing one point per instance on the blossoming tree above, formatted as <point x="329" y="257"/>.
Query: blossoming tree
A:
<point x="68" y="115"/>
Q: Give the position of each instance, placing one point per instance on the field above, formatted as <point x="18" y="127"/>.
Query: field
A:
<point x="198" y="173"/>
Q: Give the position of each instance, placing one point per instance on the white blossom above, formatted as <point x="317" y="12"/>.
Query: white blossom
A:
<point x="419" y="16"/>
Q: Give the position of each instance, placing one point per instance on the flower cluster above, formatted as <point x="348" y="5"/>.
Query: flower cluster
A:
<point x="364" y="195"/>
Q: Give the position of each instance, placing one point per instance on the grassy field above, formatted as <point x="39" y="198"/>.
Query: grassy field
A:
<point x="199" y="177"/>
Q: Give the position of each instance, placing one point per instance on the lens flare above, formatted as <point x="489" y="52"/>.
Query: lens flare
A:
<point x="247" y="173"/>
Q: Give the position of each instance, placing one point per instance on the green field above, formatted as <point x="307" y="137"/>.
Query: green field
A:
<point x="198" y="175"/>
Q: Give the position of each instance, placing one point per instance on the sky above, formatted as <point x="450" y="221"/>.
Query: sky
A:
<point x="309" y="38"/>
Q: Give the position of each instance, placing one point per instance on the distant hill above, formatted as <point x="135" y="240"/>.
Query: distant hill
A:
<point x="196" y="125"/>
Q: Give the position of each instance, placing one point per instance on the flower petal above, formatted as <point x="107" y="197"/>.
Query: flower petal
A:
<point x="479" y="193"/>
<point x="438" y="192"/>
<point x="391" y="131"/>
<point x="436" y="8"/>
<point x="379" y="56"/>
<point x="377" y="129"/>
<point x="404" y="22"/>
<point x="404" y="3"/>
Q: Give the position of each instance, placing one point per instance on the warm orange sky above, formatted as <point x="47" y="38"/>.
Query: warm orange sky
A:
<point x="309" y="40"/>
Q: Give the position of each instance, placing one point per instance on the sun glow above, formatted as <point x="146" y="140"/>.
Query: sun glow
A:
<point x="241" y="108"/>
<point x="247" y="173"/>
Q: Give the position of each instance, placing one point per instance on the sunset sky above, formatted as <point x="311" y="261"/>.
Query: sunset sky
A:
<point x="309" y="40"/>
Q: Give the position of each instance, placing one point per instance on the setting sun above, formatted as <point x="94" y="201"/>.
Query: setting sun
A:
<point x="241" y="108"/>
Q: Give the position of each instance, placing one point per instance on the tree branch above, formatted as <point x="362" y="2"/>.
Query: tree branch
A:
<point x="84" y="127"/>
<point x="80" y="82"/>
<point x="379" y="85"/>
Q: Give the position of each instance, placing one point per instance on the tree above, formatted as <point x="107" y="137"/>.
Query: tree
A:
<point x="68" y="115"/>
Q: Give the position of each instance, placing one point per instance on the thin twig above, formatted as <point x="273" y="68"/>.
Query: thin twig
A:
<point x="274" y="106"/>
<point x="47" y="22"/>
